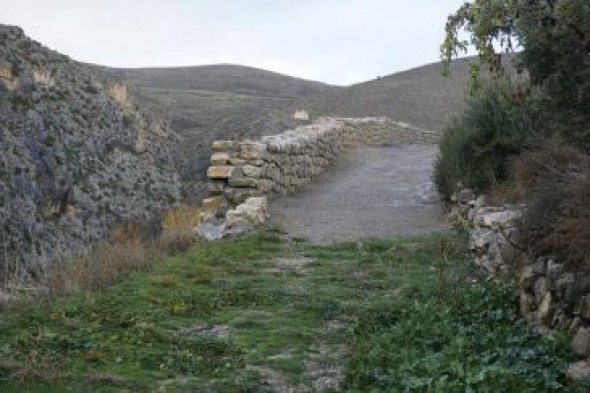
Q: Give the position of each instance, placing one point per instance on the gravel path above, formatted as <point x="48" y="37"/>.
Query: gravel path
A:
<point x="369" y="192"/>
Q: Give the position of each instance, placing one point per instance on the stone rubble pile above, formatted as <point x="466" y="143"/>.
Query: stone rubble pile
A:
<point x="551" y="294"/>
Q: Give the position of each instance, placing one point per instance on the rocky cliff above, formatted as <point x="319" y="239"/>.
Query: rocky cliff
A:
<point x="77" y="156"/>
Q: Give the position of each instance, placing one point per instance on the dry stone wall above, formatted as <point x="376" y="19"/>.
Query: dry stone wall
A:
<point x="279" y="164"/>
<point x="552" y="295"/>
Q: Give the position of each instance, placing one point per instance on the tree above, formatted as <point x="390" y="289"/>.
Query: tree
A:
<point x="553" y="37"/>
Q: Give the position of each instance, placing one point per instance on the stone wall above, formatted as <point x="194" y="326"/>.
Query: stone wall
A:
<point x="279" y="164"/>
<point x="552" y="295"/>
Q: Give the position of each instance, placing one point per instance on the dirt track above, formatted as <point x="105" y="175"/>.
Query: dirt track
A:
<point x="368" y="193"/>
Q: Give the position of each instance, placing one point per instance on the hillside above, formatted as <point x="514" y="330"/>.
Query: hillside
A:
<point x="206" y="103"/>
<point x="420" y="96"/>
<point x="77" y="156"/>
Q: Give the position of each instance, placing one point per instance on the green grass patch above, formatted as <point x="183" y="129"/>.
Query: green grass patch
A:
<point x="256" y="313"/>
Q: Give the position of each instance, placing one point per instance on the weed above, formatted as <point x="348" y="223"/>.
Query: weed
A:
<point x="217" y="318"/>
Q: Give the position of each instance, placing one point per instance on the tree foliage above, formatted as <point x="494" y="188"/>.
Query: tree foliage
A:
<point x="552" y="38"/>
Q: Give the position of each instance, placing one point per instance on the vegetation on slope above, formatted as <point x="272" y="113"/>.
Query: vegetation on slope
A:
<point x="77" y="157"/>
<point x="260" y="313"/>
<point x="550" y="99"/>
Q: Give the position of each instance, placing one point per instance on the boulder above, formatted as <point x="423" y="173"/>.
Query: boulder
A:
<point x="252" y="213"/>
<point x="578" y="372"/>
<point x="211" y="231"/>
<point x="581" y="341"/>
<point x="500" y="219"/>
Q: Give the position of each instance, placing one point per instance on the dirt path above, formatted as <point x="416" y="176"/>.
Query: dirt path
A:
<point x="369" y="192"/>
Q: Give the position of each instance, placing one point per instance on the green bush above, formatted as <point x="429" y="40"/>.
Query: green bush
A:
<point x="499" y="122"/>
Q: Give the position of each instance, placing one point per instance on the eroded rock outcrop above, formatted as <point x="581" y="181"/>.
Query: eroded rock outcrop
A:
<point x="76" y="155"/>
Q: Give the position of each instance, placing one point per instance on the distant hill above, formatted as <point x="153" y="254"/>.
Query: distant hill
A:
<point x="206" y="103"/>
<point x="420" y="96"/>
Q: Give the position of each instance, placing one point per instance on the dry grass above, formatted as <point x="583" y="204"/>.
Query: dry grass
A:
<point x="184" y="217"/>
<point x="36" y="368"/>
<point x="555" y="182"/>
<point x="131" y="247"/>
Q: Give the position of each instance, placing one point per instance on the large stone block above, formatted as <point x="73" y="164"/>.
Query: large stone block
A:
<point x="220" y="172"/>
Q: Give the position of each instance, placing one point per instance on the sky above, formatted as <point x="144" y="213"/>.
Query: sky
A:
<point x="334" y="41"/>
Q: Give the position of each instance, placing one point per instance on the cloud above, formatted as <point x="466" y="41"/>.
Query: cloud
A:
<point x="335" y="41"/>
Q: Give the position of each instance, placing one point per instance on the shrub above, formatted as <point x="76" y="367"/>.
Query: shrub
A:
<point x="498" y="123"/>
<point x="556" y="183"/>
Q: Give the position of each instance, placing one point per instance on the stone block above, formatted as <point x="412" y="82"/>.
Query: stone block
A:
<point x="216" y="187"/>
<point x="220" y="158"/>
<point x="255" y="162"/>
<point x="540" y="289"/>
<point x="546" y="309"/>
<point x="242" y="182"/>
<point x="252" y="150"/>
<point x="252" y="171"/>
<point x="265" y="185"/>
<point x="236" y="161"/>
<point x="581" y="341"/>
<point x="220" y="172"/>
<point x="578" y="372"/>
<point x="585" y="307"/>
<point x="224" y="145"/>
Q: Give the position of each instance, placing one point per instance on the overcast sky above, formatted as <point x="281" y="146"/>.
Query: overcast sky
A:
<point x="333" y="41"/>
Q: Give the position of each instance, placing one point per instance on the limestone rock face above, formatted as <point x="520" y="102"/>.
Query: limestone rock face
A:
<point x="76" y="155"/>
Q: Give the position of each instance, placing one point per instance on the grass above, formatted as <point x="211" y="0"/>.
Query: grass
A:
<point x="259" y="313"/>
